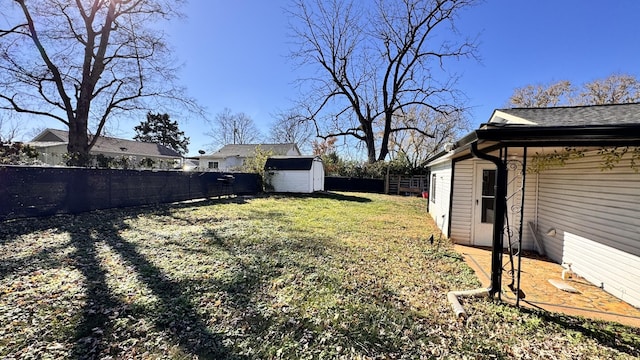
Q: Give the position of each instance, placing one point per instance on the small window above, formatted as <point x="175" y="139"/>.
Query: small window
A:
<point x="213" y="164"/>
<point x="488" y="195"/>
<point x="433" y="188"/>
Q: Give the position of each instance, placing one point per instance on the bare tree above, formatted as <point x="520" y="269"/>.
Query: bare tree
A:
<point x="542" y="95"/>
<point x="375" y="59"/>
<point x="8" y="130"/>
<point x="291" y="127"/>
<point x="84" y="62"/>
<point x="416" y="147"/>
<point x="233" y="128"/>
<point x="614" y="89"/>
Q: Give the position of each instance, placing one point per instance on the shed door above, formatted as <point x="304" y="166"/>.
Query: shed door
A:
<point x="318" y="176"/>
<point x="484" y="204"/>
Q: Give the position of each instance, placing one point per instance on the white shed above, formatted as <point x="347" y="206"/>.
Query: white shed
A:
<point x="297" y="174"/>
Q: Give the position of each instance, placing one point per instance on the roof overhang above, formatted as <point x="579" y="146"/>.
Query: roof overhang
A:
<point x="595" y="135"/>
<point x="491" y="137"/>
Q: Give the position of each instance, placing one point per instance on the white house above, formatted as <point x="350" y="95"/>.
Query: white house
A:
<point x="232" y="157"/>
<point x="52" y="146"/>
<point x="561" y="181"/>
<point x="298" y="174"/>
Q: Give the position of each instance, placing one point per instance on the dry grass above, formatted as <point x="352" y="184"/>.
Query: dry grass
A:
<point x="335" y="276"/>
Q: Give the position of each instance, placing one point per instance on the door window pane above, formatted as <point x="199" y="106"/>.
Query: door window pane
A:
<point x="488" y="182"/>
<point x="487" y="210"/>
<point x="488" y="195"/>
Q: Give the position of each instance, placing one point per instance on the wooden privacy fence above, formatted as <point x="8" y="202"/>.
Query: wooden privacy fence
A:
<point x="40" y="191"/>
<point x="406" y="184"/>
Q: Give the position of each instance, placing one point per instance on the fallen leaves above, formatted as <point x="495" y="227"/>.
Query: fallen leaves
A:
<point x="273" y="277"/>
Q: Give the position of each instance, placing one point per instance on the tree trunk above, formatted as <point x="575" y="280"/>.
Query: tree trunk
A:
<point x="369" y="138"/>
<point x="78" y="147"/>
<point x="384" y="147"/>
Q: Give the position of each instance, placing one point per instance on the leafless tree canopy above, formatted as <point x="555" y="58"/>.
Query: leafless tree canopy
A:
<point x="291" y="127"/>
<point x="233" y="128"/>
<point x="614" y="89"/>
<point x="542" y="95"/>
<point x="416" y="147"/>
<point x="374" y="60"/>
<point x="83" y="62"/>
<point x="8" y="130"/>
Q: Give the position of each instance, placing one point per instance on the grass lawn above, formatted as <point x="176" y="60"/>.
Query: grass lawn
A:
<point x="333" y="276"/>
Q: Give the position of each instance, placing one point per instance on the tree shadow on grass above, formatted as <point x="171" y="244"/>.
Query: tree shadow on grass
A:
<point x="325" y="195"/>
<point x="174" y="313"/>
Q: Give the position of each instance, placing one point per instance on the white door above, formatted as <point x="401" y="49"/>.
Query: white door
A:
<point x="318" y="177"/>
<point x="483" y="202"/>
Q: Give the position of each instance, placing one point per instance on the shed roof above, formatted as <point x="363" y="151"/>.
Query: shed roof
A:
<point x="290" y="163"/>
<point x="106" y="144"/>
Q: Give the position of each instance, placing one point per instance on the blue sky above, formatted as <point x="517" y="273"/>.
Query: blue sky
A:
<point x="235" y="53"/>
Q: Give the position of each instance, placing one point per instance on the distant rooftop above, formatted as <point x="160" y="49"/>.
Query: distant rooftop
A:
<point x="247" y="150"/>
<point x="106" y="144"/>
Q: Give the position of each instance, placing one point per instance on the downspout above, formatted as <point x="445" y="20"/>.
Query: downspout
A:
<point x="497" y="243"/>
<point x="498" y="220"/>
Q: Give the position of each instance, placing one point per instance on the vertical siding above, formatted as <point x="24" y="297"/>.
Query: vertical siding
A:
<point x="462" y="202"/>
<point x="596" y="215"/>
<point x="439" y="210"/>
<point x="292" y="181"/>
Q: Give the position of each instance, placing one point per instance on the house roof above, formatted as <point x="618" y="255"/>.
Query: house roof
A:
<point x="247" y="150"/>
<point x="595" y="125"/>
<point x="106" y="144"/>
<point x="290" y="163"/>
<point x="615" y="114"/>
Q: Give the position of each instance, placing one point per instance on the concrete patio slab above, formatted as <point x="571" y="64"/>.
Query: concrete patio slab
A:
<point x="590" y="301"/>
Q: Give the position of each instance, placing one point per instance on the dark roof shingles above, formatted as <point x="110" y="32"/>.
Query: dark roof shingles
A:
<point x="617" y="114"/>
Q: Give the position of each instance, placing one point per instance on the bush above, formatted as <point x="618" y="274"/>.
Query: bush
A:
<point x="335" y="166"/>
<point x="17" y="153"/>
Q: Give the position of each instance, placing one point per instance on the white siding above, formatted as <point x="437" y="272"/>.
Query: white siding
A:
<point x="297" y="181"/>
<point x="462" y="207"/>
<point x="463" y="203"/>
<point x="515" y="209"/>
<point x="596" y="216"/>
<point x="530" y="211"/>
<point x="439" y="207"/>
<point x="230" y="163"/>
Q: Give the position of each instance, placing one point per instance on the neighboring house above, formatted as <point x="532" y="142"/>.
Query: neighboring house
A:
<point x="298" y="174"/>
<point x="568" y="204"/>
<point x="190" y="163"/>
<point x="232" y="157"/>
<point x="52" y="146"/>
